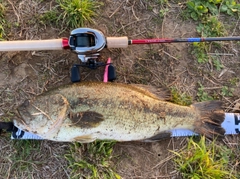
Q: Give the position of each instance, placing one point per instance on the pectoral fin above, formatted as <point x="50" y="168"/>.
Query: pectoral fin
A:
<point x="87" y="119"/>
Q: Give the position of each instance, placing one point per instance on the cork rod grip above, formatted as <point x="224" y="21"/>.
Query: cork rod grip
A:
<point x="31" y="45"/>
<point x="117" y="42"/>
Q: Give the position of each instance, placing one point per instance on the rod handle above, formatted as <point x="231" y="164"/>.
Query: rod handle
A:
<point x="32" y="45"/>
<point x="117" y="42"/>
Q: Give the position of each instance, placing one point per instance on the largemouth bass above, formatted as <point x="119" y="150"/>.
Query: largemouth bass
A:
<point x="88" y="111"/>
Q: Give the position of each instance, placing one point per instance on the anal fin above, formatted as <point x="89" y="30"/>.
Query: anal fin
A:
<point x="158" y="137"/>
<point x="84" y="139"/>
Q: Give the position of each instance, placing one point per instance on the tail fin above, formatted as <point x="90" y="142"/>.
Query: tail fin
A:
<point x="211" y="119"/>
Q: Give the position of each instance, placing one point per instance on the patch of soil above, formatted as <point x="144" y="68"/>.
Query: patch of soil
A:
<point x="24" y="75"/>
<point x="147" y="160"/>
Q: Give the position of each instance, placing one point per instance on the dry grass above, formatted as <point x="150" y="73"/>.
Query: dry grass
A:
<point x="26" y="74"/>
<point x="33" y="159"/>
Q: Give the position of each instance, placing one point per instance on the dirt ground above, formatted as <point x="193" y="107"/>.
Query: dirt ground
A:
<point x="26" y="74"/>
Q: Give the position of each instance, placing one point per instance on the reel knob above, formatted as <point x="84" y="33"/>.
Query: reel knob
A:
<point x="75" y="74"/>
<point x="111" y="73"/>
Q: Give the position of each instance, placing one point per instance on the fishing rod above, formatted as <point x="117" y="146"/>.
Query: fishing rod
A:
<point x="87" y="44"/>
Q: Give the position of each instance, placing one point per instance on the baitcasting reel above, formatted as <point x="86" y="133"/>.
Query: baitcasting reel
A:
<point x="87" y="43"/>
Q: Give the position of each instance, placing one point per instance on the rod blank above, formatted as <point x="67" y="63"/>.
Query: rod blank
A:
<point x="178" y="40"/>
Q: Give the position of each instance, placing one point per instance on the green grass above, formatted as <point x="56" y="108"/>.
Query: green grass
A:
<point x="211" y="27"/>
<point x="217" y="64"/>
<point x="23" y="156"/>
<point x="2" y="20"/>
<point x="200" y="51"/>
<point x="207" y="13"/>
<point x="226" y="91"/>
<point x="204" y="160"/>
<point x="76" y="13"/>
<point x="50" y="16"/>
<point x="202" y="95"/>
<point x="202" y="9"/>
<point x="71" y="13"/>
<point x="234" y="81"/>
<point x="180" y="98"/>
<point x="91" y="160"/>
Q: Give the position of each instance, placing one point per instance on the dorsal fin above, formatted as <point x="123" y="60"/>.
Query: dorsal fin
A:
<point x="159" y="93"/>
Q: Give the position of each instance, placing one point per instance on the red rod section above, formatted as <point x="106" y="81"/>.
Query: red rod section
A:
<point x="151" y="41"/>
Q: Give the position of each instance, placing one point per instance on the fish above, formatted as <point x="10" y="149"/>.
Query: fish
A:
<point x="89" y="111"/>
